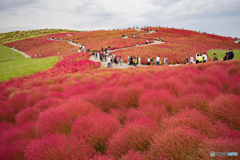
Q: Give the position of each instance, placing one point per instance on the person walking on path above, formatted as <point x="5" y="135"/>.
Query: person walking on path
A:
<point x="121" y="60"/>
<point x="215" y="57"/>
<point x="148" y="61"/>
<point x="139" y="61"/>
<point x="158" y="60"/>
<point x="100" y="55"/>
<point x="197" y="57"/>
<point x="93" y="54"/>
<point x="191" y="59"/>
<point x="186" y="60"/>
<point x="166" y="60"/>
<point x="128" y="60"/>
<point x="204" y="57"/>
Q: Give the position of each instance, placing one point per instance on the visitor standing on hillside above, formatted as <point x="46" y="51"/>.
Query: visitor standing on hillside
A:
<point x="204" y="57"/>
<point x="200" y="58"/>
<point x="139" y="61"/>
<point x="93" y="54"/>
<point x="100" y="55"/>
<point x="148" y="60"/>
<point x="131" y="60"/>
<point x="186" y="60"/>
<point x="166" y="60"/>
<point x="128" y="60"/>
<point x="191" y="59"/>
<point x="151" y="61"/>
<point x="197" y="57"/>
<point x="230" y="55"/>
<point x="134" y="61"/>
<point x="215" y="57"/>
<point x="102" y="48"/>
<point x="158" y="60"/>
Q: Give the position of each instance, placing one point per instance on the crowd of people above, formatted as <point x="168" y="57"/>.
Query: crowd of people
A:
<point x="203" y="58"/>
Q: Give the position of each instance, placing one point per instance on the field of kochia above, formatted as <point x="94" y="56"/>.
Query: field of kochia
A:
<point x="78" y="110"/>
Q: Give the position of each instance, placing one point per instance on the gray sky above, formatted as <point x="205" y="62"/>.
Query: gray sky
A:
<point x="213" y="16"/>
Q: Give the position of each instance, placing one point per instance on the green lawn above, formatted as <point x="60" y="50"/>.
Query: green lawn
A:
<point x="21" y="66"/>
<point x="7" y="54"/>
<point x="221" y="53"/>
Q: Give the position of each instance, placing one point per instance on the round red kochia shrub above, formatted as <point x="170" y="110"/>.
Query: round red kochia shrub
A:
<point x="97" y="65"/>
<point x="35" y="96"/>
<point x="176" y="88"/>
<point x="156" y="98"/>
<point x="131" y="155"/>
<point x="96" y="129"/>
<point x="55" y="94"/>
<point x="176" y="143"/>
<point x="102" y="98"/>
<point x="25" y="131"/>
<point x="7" y="114"/>
<point x="127" y="97"/>
<point x="58" y="147"/>
<point x="14" y="151"/>
<point x="4" y="126"/>
<point x="77" y="107"/>
<point x="150" y="111"/>
<point x="227" y="109"/>
<point x="190" y="118"/>
<point x="196" y="101"/>
<point x="216" y="145"/>
<point x="18" y="101"/>
<point x="48" y="103"/>
<point x="135" y="136"/>
<point x="120" y="114"/>
<point x="54" y="120"/>
<point x="27" y="115"/>
<point x="57" y="87"/>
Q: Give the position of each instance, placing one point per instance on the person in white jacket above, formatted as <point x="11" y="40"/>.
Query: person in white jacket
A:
<point x="139" y="61"/>
<point x="191" y="59"/>
<point x="158" y="60"/>
<point x="204" y="57"/>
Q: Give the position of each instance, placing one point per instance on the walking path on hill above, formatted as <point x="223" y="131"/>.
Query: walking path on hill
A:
<point x="124" y="65"/>
<point x="23" y="53"/>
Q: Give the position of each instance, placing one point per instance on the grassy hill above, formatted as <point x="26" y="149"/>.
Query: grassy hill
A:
<point x="18" y="35"/>
<point x="10" y="67"/>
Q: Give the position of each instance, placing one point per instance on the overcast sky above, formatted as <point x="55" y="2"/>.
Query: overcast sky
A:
<point x="213" y="16"/>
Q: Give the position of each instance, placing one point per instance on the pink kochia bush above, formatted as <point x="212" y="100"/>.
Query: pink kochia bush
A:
<point x="15" y="140"/>
<point x="135" y="136"/>
<point x="226" y="108"/>
<point x="96" y="129"/>
<point x="176" y="143"/>
<point x="58" y="147"/>
<point x="54" y="120"/>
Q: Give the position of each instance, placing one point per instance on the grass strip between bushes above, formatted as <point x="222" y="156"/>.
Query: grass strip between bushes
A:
<point x="10" y="67"/>
<point x="221" y="53"/>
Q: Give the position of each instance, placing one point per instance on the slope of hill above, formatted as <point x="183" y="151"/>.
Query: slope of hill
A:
<point x="18" y="35"/>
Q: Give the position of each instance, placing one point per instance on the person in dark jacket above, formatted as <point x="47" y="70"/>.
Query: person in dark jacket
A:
<point x="230" y="54"/>
<point x="226" y="56"/>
